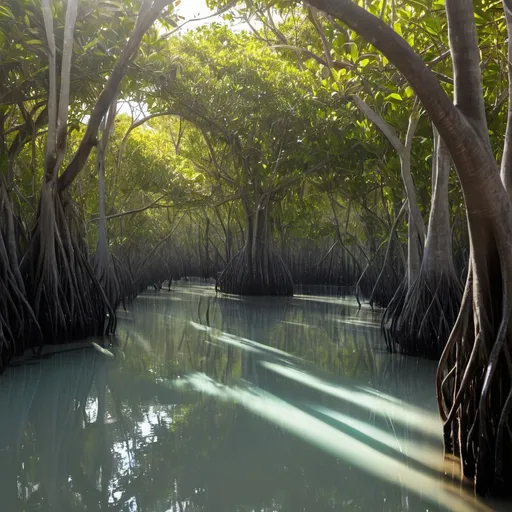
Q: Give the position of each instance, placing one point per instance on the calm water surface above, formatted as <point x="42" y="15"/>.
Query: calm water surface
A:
<point x="226" y="404"/>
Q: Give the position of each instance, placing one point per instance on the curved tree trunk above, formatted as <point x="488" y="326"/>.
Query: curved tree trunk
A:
<point x="415" y="225"/>
<point x="433" y="300"/>
<point x="475" y="371"/>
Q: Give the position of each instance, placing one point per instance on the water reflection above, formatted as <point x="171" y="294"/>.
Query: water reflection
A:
<point x="224" y="404"/>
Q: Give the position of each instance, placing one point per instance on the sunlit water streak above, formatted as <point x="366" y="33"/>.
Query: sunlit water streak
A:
<point x="398" y="411"/>
<point x="242" y="343"/>
<point x="339" y="444"/>
<point x="421" y="452"/>
<point x="283" y="405"/>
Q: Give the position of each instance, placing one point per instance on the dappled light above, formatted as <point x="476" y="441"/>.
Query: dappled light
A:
<point x="423" y="453"/>
<point x="255" y="255"/>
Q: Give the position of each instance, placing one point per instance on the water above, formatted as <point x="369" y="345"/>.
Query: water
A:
<point x="225" y="404"/>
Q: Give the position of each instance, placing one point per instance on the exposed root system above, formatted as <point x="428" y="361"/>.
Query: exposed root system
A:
<point x="17" y="320"/>
<point x="474" y="387"/>
<point x="64" y="293"/>
<point x="271" y="277"/>
<point x="419" y="322"/>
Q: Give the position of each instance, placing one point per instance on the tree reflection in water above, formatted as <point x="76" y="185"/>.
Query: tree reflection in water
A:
<point x="226" y="404"/>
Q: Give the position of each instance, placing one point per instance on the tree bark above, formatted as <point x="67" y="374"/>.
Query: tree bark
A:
<point x="438" y="253"/>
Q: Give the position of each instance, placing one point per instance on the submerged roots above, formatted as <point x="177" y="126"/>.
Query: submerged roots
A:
<point x="17" y="320"/>
<point x="271" y="277"/>
<point x="418" y="321"/>
<point x="474" y="386"/>
<point x="64" y="293"/>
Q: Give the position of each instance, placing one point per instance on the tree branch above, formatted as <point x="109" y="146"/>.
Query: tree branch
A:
<point x="145" y="20"/>
<point x="469" y="152"/>
<point x="325" y="44"/>
<point x="137" y="210"/>
<point x="380" y="123"/>
<point x="136" y="124"/>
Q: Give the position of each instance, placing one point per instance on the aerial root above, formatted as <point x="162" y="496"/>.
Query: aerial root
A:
<point x="392" y="314"/>
<point x="474" y="388"/>
<point x="17" y="320"/>
<point x="275" y="279"/>
<point x="65" y="295"/>
<point x="419" y="321"/>
<point x="106" y="273"/>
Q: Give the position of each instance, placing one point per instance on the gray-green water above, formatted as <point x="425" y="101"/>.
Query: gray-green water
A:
<point x="224" y="404"/>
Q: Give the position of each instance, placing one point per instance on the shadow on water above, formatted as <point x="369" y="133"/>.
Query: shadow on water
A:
<point x="228" y="404"/>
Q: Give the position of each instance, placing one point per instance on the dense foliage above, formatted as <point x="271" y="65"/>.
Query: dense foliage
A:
<point x="277" y="148"/>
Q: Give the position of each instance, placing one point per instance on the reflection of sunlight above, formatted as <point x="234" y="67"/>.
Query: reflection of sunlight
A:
<point x="404" y="413"/>
<point x="327" y="300"/>
<point x="159" y="297"/>
<point x="126" y="450"/>
<point x="140" y="340"/>
<point x="204" y="291"/>
<point x="422" y="453"/>
<point x="300" y="324"/>
<point x="357" y="322"/>
<point x="335" y="442"/>
<point x="242" y="343"/>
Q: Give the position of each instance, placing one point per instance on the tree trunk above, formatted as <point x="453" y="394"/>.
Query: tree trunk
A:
<point x="416" y="226"/>
<point x="506" y="162"/>
<point x="257" y="269"/>
<point x="431" y="303"/>
<point x="474" y="377"/>
<point x="64" y="292"/>
<point x="102" y="262"/>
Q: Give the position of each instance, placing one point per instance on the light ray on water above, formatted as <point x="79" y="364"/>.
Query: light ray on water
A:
<point x="335" y="442"/>
<point x="420" y="452"/>
<point x="242" y="343"/>
<point x="403" y="413"/>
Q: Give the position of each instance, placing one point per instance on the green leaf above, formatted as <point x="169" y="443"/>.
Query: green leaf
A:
<point x="394" y="97"/>
<point x="354" y="52"/>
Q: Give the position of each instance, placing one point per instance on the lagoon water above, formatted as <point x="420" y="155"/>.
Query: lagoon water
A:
<point x="222" y="404"/>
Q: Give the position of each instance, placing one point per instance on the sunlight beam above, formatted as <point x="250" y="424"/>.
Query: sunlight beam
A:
<point x="336" y="443"/>
<point x="403" y="413"/>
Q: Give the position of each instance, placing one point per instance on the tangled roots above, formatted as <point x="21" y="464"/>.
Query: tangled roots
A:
<point x="67" y="299"/>
<point x="421" y="324"/>
<point x="390" y="319"/>
<point x="106" y="272"/>
<point x="273" y="278"/>
<point x="17" y="320"/>
<point x="474" y="387"/>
